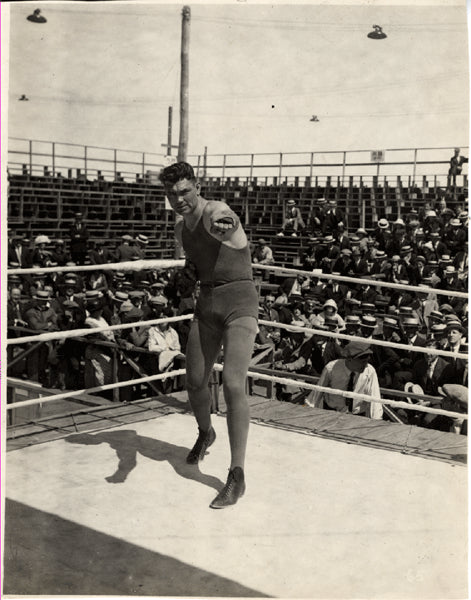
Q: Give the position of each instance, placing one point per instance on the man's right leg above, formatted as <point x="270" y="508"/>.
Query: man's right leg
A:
<point x="204" y="344"/>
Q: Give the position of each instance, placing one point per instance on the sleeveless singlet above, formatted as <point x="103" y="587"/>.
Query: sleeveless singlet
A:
<point x="215" y="262"/>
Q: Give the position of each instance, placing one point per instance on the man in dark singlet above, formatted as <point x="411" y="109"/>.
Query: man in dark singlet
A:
<point x="225" y="315"/>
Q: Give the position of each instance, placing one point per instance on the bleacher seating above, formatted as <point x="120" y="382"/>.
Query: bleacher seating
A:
<point x="47" y="204"/>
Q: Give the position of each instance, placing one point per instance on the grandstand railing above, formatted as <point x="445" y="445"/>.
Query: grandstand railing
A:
<point x="40" y="157"/>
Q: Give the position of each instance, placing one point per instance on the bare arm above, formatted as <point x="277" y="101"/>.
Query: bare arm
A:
<point x="223" y="224"/>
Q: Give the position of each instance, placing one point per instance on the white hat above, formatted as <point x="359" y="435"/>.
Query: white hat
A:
<point x="143" y="239"/>
<point x="330" y="302"/>
<point x="42" y="239"/>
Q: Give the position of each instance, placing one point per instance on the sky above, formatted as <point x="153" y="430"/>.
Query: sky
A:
<point x="105" y="73"/>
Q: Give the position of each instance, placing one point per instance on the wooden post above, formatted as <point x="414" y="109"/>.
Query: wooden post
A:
<point x="415" y="166"/>
<point x="184" y="84"/>
<point x="115" y="374"/>
<point x="169" y="131"/>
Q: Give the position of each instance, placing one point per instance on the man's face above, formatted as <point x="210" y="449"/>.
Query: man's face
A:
<point x="269" y="301"/>
<point x="410" y="332"/>
<point x="183" y="196"/>
<point x="15" y="295"/>
<point x="358" y="364"/>
<point x="454" y="336"/>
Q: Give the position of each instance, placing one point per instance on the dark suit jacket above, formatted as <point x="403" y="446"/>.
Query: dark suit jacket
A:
<point x="419" y="375"/>
<point x="78" y="238"/>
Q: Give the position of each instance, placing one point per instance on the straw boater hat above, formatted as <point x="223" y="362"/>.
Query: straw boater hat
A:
<point x="42" y="295"/>
<point x="383" y="223"/>
<point x="368" y="321"/>
<point x="142" y="239"/>
<point x="390" y="322"/>
<point x="291" y="202"/>
<point x="352" y="320"/>
<point x="120" y="297"/>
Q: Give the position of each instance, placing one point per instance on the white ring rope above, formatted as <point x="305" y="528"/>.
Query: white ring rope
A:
<point x="100" y="388"/>
<point x="71" y="333"/>
<point x="254" y="374"/>
<point x="359" y="338"/>
<point x="370" y="282"/>
<point x="157" y="264"/>
<point x="132" y="265"/>
<point x="148" y="264"/>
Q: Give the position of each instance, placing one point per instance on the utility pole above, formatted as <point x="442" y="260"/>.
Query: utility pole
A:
<point x="184" y="84"/>
<point x="169" y="134"/>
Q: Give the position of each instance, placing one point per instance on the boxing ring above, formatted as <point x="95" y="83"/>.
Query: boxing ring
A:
<point x="100" y="501"/>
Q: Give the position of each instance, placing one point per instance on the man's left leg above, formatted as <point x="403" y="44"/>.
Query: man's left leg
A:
<point x="238" y="341"/>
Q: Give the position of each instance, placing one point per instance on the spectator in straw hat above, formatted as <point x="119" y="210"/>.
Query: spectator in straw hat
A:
<point x="368" y="324"/>
<point x="293" y="219"/>
<point x="125" y="252"/>
<point x="352" y="373"/>
<point x="41" y="256"/>
<point x="141" y="242"/>
<point x="455" y="236"/>
<point x="41" y="318"/>
<point x="262" y="253"/>
<point x="79" y="235"/>
<point x="352" y="327"/>
<point x="111" y="313"/>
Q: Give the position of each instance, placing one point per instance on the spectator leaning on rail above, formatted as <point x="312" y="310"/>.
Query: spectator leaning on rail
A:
<point x="292" y="219"/>
<point x="352" y="373"/>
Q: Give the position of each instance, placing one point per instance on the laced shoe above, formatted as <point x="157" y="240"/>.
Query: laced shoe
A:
<point x="232" y="491"/>
<point x="204" y="441"/>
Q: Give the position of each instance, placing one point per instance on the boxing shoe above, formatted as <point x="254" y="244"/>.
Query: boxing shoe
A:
<point x="232" y="491"/>
<point x="204" y="441"/>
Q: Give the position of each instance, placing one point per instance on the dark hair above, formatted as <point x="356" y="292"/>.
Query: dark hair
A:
<point x="173" y="173"/>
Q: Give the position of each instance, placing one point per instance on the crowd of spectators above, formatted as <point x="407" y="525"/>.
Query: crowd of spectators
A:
<point x="428" y="249"/>
<point x="50" y="302"/>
